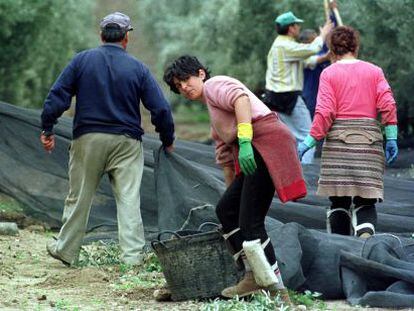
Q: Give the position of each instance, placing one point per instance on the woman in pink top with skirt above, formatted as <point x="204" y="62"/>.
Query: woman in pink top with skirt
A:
<point x="258" y="156"/>
<point x="351" y="94"/>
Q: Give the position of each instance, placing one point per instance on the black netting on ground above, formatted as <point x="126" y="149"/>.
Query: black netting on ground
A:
<point x="182" y="188"/>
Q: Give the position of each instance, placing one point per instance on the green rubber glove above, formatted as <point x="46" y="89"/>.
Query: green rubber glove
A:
<point x="246" y="156"/>
<point x="391" y="132"/>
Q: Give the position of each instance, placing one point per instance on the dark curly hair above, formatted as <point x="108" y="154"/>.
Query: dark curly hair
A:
<point x="343" y="39"/>
<point x="182" y="68"/>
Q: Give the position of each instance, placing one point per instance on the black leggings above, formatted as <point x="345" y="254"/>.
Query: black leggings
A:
<point x="340" y="222"/>
<point x="245" y="204"/>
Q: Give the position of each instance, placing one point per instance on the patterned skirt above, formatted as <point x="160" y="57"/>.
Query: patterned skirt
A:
<point x="353" y="160"/>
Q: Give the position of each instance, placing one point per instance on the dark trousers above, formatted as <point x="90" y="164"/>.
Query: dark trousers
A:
<point x="245" y="204"/>
<point x="340" y="221"/>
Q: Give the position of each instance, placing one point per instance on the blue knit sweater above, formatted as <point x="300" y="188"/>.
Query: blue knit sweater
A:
<point x="108" y="84"/>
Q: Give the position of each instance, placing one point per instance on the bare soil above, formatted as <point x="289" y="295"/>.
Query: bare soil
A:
<point x="32" y="280"/>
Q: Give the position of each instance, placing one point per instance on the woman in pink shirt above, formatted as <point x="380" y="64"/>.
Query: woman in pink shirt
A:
<point x="351" y="94"/>
<point x="258" y="156"/>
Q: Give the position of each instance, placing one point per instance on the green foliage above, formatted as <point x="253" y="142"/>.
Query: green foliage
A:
<point x="38" y="38"/>
<point x="260" y="302"/>
<point x="140" y="279"/>
<point x="202" y="28"/>
<point x="64" y="305"/>
<point x="233" y="37"/>
<point x="152" y="263"/>
<point x="309" y="299"/>
<point x="104" y="255"/>
<point x="99" y="254"/>
<point x="147" y="276"/>
<point x="7" y="204"/>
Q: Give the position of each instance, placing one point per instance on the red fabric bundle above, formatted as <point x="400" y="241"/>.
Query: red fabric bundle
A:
<point x="277" y="146"/>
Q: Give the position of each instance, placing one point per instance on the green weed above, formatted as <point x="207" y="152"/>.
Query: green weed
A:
<point x="260" y="302"/>
<point x="99" y="254"/>
<point x="139" y="280"/>
<point x="309" y="299"/>
<point x="65" y="305"/>
<point x="20" y="255"/>
<point x="35" y="259"/>
<point x="7" y="204"/>
<point x="263" y="302"/>
<point x="49" y="233"/>
<point x="152" y="263"/>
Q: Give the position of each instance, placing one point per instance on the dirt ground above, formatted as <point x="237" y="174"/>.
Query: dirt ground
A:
<point x="31" y="280"/>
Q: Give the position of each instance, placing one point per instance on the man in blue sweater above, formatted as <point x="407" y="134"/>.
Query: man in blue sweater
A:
<point x="108" y="84"/>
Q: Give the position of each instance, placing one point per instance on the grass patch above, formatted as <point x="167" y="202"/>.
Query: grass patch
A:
<point x="98" y="254"/>
<point x="263" y="302"/>
<point x="49" y="233"/>
<point x="8" y="204"/>
<point x="260" y="302"/>
<point x="147" y="276"/>
<point x="152" y="263"/>
<point x="65" y="305"/>
<point x="20" y="255"/>
<point x="142" y="279"/>
<point x="107" y="256"/>
<point x="309" y="299"/>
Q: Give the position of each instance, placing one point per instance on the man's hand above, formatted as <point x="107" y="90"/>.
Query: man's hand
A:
<point x="326" y="29"/>
<point x="48" y="142"/>
<point x="170" y="148"/>
<point x="333" y="4"/>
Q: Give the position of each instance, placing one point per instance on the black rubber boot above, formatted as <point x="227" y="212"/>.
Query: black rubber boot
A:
<point x="231" y="239"/>
<point x="364" y="217"/>
<point x="338" y="216"/>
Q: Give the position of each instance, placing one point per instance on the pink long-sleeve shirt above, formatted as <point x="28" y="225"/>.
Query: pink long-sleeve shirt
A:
<point x="352" y="89"/>
<point x="220" y="94"/>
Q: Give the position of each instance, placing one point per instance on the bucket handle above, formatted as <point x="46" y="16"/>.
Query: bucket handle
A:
<point x="169" y="232"/>
<point x="208" y="223"/>
<point x="162" y="233"/>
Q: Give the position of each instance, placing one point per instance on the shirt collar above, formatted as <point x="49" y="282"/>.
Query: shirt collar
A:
<point x="348" y="61"/>
<point x="285" y="37"/>
<point x="113" y="44"/>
